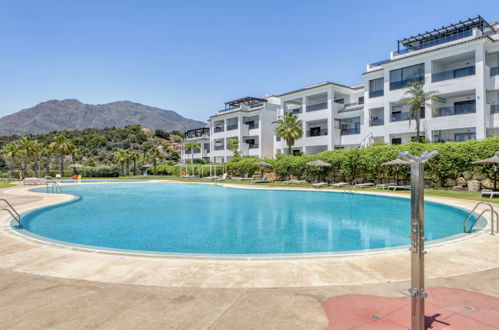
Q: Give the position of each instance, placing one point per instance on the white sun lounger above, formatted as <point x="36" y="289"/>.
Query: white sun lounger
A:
<point x="400" y="187"/>
<point x="339" y="184"/>
<point x="489" y="192"/>
<point x="223" y="178"/>
<point x="295" y="182"/>
<point x="364" y="185"/>
<point x="319" y="184"/>
<point x="385" y="185"/>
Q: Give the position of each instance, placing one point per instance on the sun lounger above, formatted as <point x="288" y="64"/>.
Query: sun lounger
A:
<point x="364" y="185"/>
<point x="319" y="184"/>
<point x="489" y="192"/>
<point x="385" y="185"/>
<point x="400" y="187"/>
<point x="295" y="182"/>
<point x="264" y="179"/>
<point x="223" y="178"/>
<point x="339" y="184"/>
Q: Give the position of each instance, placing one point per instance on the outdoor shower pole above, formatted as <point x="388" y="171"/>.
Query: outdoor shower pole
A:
<point x="417" y="291"/>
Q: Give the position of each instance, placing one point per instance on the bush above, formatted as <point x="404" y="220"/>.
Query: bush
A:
<point x="242" y="166"/>
<point x="112" y="171"/>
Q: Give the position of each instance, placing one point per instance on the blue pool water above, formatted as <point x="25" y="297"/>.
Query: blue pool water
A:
<point x="193" y="218"/>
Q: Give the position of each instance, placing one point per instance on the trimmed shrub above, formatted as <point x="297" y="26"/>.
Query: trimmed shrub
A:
<point x="100" y="171"/>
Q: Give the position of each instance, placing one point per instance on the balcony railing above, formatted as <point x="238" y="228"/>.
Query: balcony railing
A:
<point x="253" y="126"/>
<point x="231" y="127"/>
<point x="349" y="131"/>
<point x="253" y="146"/>
<point x="404" y="116"/>
<point x="218" y="129"/>
<point x="376" y="122"/>
<point x="456" y="110"/>
<point x="376" y="93"/>
<point x="219" y="147"/>
<point x="494" y="108"/>
<point x="293" y="111"/>
<point x="315" y="107"/>
<point x="403" y="83"/>
<point x="494" y="71"/>
<point x="453" y="74"/>
<point x="322" y="132"/>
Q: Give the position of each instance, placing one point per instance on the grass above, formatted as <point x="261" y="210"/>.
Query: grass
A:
<point x="475" y="196"/>
<point x="5" y="184"/>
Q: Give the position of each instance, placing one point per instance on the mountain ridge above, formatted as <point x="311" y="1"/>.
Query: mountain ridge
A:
<point x="70" y="114"/>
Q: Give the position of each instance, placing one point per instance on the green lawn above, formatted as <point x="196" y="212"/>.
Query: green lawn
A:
<point x="5" y="184"/>
<point x="429" y="192"/>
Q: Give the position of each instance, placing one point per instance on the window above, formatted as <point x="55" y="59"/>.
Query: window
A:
<point x="401" y="77"/>
<point x="460" y="137"/>
<point x="315" y="131"/>
<point x="465" y="107"/>
<point x="350" y="125"/>
<point x="397" y="141"/>
<point x="376" y="87"/>
<point x="361" y="100"/>
<point x="377" y="117"/>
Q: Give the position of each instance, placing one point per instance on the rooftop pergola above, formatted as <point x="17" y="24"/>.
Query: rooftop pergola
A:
<point x="248" y="100"/>
<point x="444" y="34"/>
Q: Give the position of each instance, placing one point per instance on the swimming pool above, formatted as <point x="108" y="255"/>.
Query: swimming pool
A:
<point x="210" y="219"/>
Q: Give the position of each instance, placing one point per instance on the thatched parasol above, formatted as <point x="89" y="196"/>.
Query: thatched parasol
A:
<point x="318" y="163"/>
<point x="396" y="162"/>
<point x="494" y="160"/>
<point x="262" y="163"/>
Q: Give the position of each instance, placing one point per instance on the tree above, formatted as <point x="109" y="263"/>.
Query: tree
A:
<point x="90" y="162"/>
<point x="233" y="145"/>
<point x="154" y="155"/>
<point x="128" y="158"/>
<point x="191" y="146"/>
<point x="134" y="157"/>
<point x="11" y="150"/>
<point x="47" y="152"/>
<point x="120" y="157"/>
<point x="62" y="146"/>
<point x="289" y="128"/>
<point x="28" y="150"/>
<point x="417" y="100"/>
<point x="37" y="152"/>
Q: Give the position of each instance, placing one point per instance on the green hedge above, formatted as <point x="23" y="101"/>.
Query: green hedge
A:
<point x="453" y="159"/>
<point x="100" y="172"/>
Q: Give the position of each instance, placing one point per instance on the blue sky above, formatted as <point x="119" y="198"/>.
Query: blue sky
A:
<point x="192" y="56"/>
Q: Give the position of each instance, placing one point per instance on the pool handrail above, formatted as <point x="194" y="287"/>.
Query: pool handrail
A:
<point x="54" y="187"/>
<point x="492" y="213"/>
<point x="12" y="212"/>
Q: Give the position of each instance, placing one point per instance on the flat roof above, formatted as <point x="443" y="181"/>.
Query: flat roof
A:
<point x="325" y="83"/>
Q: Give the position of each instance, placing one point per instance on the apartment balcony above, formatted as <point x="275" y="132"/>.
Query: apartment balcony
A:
<point x="312" y="133"/>
<point x="218" y="129"/>
<point x="294" y="111"/>
<point x="453" y="74"/>
<point x="350" y="131"/>
<point x="455" y="110"/>
<point x="494" y="71"/>
<point x="403" y="83"/>
<point x="232" y="127"/>
<point x="494" y="108"/>
<point x="316" y="107"/>
<point x="377" y="122"/>
<point x="401" y="116"/>
<point x="377" y="93"/>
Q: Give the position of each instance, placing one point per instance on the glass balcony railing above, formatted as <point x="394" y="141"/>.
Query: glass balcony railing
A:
<point x="494" y="108"/>
<point x="253" y="126"/>
<point x="253" y="146"/>
<point x="316" y="133"/>
<point x="293" y="111"/>
<point x="218" y="129"/>
<point x="494" y="71"/>
<point x="376" y="122"/>
<point x="400" y="116"/>
<point x="350" y="130"/>
<point x="376" y="93"/>
<point x="455" y="110"/>
<point x="315" y="107"/>
<point x="403" y="83"/>
<point x="219" y="147"/>
<point x="231" y="127"/>
<point x="453" y="74"/>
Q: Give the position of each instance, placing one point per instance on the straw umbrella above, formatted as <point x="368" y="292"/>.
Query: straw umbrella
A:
<point x="494" y="160"/>
<point x="396" y="162"/>
<point x="75" y="167"/>
<point x="318" y="163"/>
<point x="263" y="165"/>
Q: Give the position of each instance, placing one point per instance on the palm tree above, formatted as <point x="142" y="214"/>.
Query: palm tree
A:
<point x="62" y="146"/>
<point x="154" y="155"/>
<point x="120" y="157"/>
<point x="47" y="153"/>
<point x="417" y="100"/>
<point x="28" y="150"/>
<point x="289" y="128"/>
<point x="134" y="157"/>
<point x="128" y="158"/>
<point x="191" y="146"/>
<point x="37" y="152"/>
<point x="11" y="150"/>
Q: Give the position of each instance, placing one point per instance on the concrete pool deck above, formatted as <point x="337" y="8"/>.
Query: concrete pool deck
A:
<point x="472" y="253"/>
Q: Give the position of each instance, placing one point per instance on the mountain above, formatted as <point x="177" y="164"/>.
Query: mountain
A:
<point x="56" y="115"/>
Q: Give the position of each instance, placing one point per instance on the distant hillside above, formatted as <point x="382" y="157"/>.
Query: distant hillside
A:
<point x="56" y="115"/>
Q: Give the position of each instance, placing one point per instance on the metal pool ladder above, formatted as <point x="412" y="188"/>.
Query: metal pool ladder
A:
<point x="53" y="187"/>
<point x="9" y="208"/>
<point x="492" y="214"/>
<point x="352" y="186"/>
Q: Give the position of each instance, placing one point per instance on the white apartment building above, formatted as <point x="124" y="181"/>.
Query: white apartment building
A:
<point x="202" y="137"/>
<point x="460" y="62"/>
<point x="249" y="120"/>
